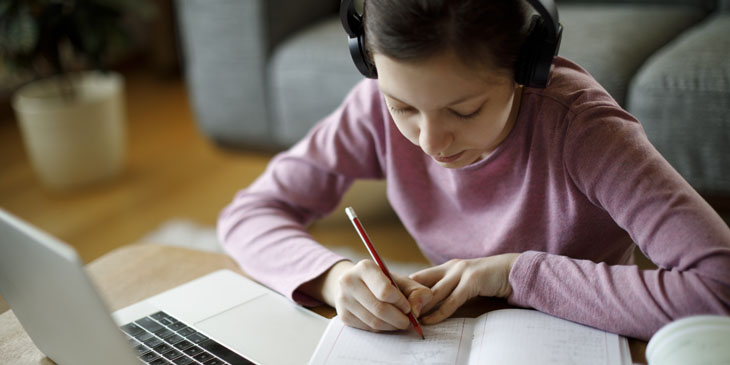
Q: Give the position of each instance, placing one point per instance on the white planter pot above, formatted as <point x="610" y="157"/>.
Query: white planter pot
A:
<point x="74" y="142"/>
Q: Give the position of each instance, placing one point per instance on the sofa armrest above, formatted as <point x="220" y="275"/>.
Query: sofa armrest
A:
<point x="226" y="45"/>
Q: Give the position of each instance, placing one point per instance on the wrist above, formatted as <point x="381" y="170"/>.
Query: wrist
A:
<point x="511" y="259"/>
<point x="330" y="287"/>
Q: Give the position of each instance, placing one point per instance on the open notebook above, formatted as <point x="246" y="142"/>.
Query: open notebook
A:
<point x="506" y="336"/>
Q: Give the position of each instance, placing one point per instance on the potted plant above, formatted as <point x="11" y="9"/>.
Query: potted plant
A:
<point x="71" y="114"/>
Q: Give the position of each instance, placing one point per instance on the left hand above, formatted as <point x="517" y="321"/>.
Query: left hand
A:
<point x="456" y="281"/>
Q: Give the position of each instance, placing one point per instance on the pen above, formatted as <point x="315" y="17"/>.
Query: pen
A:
<point x="371" y="248"/>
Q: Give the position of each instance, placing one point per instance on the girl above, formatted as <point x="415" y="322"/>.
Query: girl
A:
<point x="531" y="194"/>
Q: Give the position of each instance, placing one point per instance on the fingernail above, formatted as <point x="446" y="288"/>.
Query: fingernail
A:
<point x="417" y="309"/>
<point x="407" y="307"/>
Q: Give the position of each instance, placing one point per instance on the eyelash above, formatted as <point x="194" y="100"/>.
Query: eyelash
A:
<point x="460" y="116"/>
<point x="468" y="116"/>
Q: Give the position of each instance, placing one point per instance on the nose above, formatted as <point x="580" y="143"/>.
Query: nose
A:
<point x="433" y="137"/>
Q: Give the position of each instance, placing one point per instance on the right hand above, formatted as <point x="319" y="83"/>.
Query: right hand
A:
<point x="366" y="299"/>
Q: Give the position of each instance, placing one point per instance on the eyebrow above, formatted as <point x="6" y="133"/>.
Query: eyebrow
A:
<point x="455" y="102"/>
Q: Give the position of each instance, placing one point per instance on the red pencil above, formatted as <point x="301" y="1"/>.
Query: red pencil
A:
<point x="371" y="248"/>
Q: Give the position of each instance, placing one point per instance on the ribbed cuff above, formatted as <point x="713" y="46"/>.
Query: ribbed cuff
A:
<point x="523" y="276"/>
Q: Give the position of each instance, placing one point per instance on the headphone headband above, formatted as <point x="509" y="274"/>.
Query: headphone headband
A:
<point x="534" y="63"/>
<point x="549" y="12"/>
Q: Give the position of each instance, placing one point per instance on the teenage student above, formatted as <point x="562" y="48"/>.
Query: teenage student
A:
<point x="517" y="177"/>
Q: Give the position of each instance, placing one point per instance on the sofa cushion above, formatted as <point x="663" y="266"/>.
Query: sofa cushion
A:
<point x="309" y="76"/>
<point x="613" y="41"/>
<point x="705" y="4"/>
<point x="682" y="98"/>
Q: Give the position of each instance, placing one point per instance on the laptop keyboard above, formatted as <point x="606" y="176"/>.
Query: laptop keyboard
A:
<point x="160" y="339"/>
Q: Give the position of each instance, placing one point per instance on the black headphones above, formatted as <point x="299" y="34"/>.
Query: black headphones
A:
<point x="536" y="56"/>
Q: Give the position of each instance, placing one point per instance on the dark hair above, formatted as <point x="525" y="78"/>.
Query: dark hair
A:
<point x="480" y="32"/>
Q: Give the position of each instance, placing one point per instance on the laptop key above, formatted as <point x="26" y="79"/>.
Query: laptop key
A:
<point x="152" y="342"/>
<point x="183" y="361"/>
<point x="183" y="345"/>
<point x="166" y="321"/>
<point x="164" y="333"/>
<point x="142" y="337"/>
<point x="214" y="362"/>
<point x="196" y="337"/>
<point x="141" y="349"/>
<point x="223" y="352"/>
<point x="157" y="316"/>
<point x="149" y="324"/>
<point x="159" y="361"/>
<point x="162" y="348"/>
<point x="185" y="331"/>
<point x="149" y="356"/>
<point x="177" y="326"/>
<point x="173" y="339"/>
<point x="203" y="356"/>
<point x="192" y="351"/>
<point x="132" y="329"/>
<point x="173" y="354"/>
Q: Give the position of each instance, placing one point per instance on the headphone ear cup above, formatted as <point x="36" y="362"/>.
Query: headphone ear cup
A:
<point x="536" y="56"/>
<point x="360" y="57"/>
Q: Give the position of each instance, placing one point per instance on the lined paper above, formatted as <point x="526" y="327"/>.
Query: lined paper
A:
<point x="445" y="343"/>
<point x="507" y="336"/>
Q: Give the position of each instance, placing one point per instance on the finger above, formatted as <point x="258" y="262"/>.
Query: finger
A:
<point x="356" y="296"/>
<point x="381" y="287"/>
<point x="442" y="289"/>
<point x="377" y="315"/>
<point x="352" y="320"/>
<point x="429" y="277"/>
<point x="417" y="294"/>
<point x="456" y="299"/>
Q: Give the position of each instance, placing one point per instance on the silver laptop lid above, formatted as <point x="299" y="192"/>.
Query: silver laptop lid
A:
<point x="46" y="286"/>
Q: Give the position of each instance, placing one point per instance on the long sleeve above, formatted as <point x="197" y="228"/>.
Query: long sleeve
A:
<point x="609" y="159"/>
<point x="264" y="227"/>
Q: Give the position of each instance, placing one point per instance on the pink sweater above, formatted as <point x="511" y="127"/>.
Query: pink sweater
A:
<point x="571" y="187"/>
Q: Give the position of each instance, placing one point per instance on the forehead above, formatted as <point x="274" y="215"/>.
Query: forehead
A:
<point x="436" y="80"/>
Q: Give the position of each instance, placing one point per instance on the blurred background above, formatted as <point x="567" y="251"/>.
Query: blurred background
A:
<point x="173" y="175"/>
<point x="212" y="89"/>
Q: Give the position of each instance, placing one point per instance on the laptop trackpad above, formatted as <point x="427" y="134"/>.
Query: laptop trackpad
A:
<point x="267" y="330"/>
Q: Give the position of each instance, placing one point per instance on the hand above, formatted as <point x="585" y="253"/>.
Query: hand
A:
<point x="456" y="281"/>
<point x="366" y="299"/>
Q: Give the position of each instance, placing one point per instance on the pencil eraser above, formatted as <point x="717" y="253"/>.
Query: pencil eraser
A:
<point x="350" y="213"/>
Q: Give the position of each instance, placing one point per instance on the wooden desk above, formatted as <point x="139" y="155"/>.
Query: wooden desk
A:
<point x="132" y="273"/>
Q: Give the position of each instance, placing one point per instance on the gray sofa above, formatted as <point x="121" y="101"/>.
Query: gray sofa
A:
<point x="262" y="72"/>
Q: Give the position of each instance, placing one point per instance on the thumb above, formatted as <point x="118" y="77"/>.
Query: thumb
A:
<point x="417" y="294"/>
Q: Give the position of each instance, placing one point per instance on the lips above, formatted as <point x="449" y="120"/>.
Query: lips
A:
<point x="448" y="159"/>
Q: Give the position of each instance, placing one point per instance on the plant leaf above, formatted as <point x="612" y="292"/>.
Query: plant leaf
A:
<point x="21" y="33"/>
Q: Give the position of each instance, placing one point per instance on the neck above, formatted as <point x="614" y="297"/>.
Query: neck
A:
<point x="513" y="114"/>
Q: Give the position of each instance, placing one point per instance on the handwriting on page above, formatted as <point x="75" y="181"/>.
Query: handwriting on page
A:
<point x="445" y="343"/>
<point x="529" y="336"/>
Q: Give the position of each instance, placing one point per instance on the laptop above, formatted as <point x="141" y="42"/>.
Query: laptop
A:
<point x="220" y="318"/>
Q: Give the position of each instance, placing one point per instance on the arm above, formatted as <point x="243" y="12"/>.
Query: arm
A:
<point x="610" y="160"/>
<point x="264" y="228"/>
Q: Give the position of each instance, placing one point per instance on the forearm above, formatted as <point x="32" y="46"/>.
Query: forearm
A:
<point x="272" y="245"/>
<point x="619" y="299"/>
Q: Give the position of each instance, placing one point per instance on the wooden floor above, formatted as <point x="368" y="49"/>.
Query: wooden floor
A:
<point x="172" y="171"/>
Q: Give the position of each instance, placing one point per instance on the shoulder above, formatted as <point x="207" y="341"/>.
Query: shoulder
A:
<point x="574" y="100"/>
<point x="572" y="89"/>
<point x="365" y="95"/>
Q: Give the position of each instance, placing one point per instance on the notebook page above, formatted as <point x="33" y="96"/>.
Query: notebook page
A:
<point x="520" y="336"/>
<point x="446" y="343"/>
